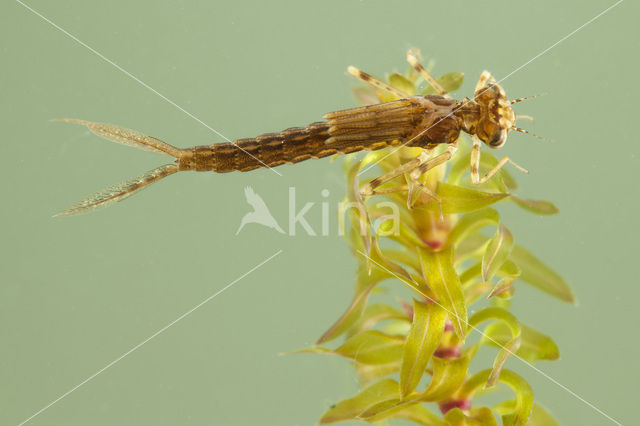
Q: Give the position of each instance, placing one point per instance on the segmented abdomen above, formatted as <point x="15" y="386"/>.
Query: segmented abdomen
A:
<point x="424" y="121"/>
<point x="273" y="149"/>
<point x="269" y="150"/>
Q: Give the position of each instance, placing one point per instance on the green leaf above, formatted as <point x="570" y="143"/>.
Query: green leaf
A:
<point x="381" y="392"/>
<point x="360" y="235"/>
<point x="372" y="347"/>
<point x="524" y="399"/>
<point x="472" y="272"/>
<point x="472" y="222"/>
<point x="448" y="376"/>
<point x="401" y="83"/>
<point x="456" y="199"/>
<point x="459" y="165"/>
<point x="507" y="269"/>
<point x="367" y="373"/>
<point x="471" y="247"/>
<point x="541" y="417"/>
<point x="509" y="347"/>
<point x="422" y="341"/>
<point x="535" y="206"/>
<point x="520" y="411"/>
<point x="504" y="287"/>
<point x="539" y="275"/>
<point x="312" y="350"/>
<point x="450" y="81"/>
<point x="479" y="416"/>
<point x="419" y="414"/>
<point x="474" y="291"/>
<point x="364" y="285"/>
<point x="438" y="271"/>
<point x="374" y="314"/>
<point x="534" y="346"/>
<point x="497" y="252"/>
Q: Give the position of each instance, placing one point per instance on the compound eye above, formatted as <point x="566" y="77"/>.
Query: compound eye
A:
<point x="498" y="139"/>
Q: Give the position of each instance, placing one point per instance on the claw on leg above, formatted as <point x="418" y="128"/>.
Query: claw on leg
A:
<point x="419" y="186"/>
<point x="475" y="164"/>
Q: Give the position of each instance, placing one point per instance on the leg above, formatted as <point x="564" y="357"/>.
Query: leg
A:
<point x="377" y="84"/>
<point x="428" y="165"/>
<point x="435" y="161"/>
<point x="416" y="168"/>
<point x="419" y="186"/>
<point x="485" y="78"/>
<point x="369" y="189"/>
<point x="413" y="56"/>
<point x="475" y="164"/>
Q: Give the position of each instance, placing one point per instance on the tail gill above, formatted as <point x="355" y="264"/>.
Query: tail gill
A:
<point x="125" y="189"/>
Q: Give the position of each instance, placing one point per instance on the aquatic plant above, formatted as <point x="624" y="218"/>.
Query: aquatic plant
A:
<point x="454" y="253"/>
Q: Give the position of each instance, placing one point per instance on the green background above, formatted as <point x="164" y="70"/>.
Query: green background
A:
<point x="76" y="293"/>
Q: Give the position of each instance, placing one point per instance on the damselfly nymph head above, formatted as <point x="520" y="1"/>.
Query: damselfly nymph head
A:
<point x="496" y="117"/>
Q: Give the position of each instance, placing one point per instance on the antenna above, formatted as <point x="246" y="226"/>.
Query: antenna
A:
<point x="516" y="100"/>
<point x="521" y="130"/>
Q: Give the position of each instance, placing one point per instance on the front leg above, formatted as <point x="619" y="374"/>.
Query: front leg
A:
<point x="475" y="164"/>
<point x="370" y="188"/>
<point x="416" y="168"/>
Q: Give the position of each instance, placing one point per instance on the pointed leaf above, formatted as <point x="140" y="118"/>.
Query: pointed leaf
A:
<point x="471" y="247"/>
<point x="473" y="292"/>
<point x="401" y="83"/>
<point x="535" y="206"/>
<point x="358" y="217"/>
<point x="534" y="346"/>
<point x="448" y="375"/>
<point x="472" y="222"/>
<point x="422" y="341"/>
<point x="497" y="252"/>
<point x="380" y="392"/>
<point x="480" y="416"/>
<point x="524" y="398"/>
<point x="504" y="287"/>
<point x="364" y="285"/>
<point x="516" y="416"/>
<point x="471" y="273"/>
<point x="456" y="199"/>
<point x="438" y="271"/>
<point x="374" y="314"/>
<point x="509" y="347"/>
<point x="420" y="414"/>
<point x="368" y="373"/>
<point x="313" y="350"/>
<point x="539" y="275"/>
<point x="372" y="347"/>
<point x="541" y="417"/>
<point x="450" y="82"/>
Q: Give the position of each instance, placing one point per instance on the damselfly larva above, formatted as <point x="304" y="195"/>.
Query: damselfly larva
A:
<point x="412" y="121"/>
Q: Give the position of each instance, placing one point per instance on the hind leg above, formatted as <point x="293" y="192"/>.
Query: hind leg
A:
<point x="413" y="56"/>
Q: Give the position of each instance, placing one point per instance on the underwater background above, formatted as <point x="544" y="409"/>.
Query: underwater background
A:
<point x="77" y="293"/>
